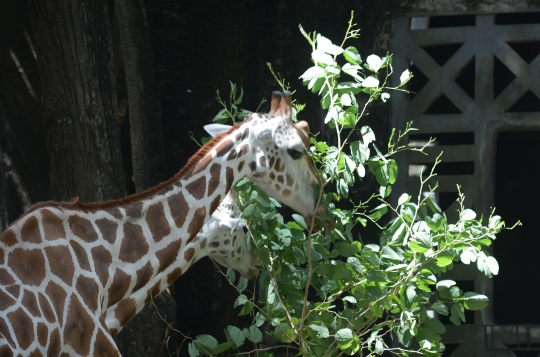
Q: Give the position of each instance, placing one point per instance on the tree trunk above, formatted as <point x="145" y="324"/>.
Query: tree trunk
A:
<point x="147" y="333"/>
<point x="78" y="97"/>
<point x="147" y="148"/>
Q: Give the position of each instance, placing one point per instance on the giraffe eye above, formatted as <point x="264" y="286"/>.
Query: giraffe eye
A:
<point x="295" y="154"/>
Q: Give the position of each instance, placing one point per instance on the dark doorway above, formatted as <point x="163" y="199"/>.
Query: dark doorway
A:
<point x="517" y="195"/>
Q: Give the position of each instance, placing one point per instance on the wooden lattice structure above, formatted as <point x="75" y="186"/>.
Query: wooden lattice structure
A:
<point x="475" y="77"/>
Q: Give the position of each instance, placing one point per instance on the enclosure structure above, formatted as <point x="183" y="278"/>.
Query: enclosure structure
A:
<point x="476" y="88"/>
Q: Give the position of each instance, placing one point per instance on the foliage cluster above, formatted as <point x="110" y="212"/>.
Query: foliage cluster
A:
<point x="328" y="294"/>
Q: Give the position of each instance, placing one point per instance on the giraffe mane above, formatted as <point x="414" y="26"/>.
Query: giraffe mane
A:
<point x="91" y="206"/>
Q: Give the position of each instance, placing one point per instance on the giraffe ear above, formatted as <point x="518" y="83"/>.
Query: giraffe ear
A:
<point x="216" y="129"/>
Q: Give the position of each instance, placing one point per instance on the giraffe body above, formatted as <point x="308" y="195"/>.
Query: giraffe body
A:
<point x="73" y="274"/>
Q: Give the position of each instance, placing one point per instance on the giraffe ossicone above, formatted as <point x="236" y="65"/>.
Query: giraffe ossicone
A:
<point x="73" y="274"/>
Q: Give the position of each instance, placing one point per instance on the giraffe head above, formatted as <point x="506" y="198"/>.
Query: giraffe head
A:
<point x="226" y="241"/>
<point x="280" y="164"/>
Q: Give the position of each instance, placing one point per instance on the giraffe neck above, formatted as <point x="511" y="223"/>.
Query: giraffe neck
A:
<point x="159" y="234"/>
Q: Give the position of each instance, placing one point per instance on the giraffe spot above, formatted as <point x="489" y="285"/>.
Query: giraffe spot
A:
<point x="28" y="265"/>
<point x="57" y="296"/>
<point x="286" y="192"/>
<point x="30" y="231"/>
<point x="4" y="331"/>
<point x="281" y="179"/>
<point x="272" y="176"/>
<point x="8" y="238"/>
<point x="46" y="309"/>
<point x="61" y="262"/>
<point x="214" y="244"/>
<point x="252" y="165"/>
<point x="125" y="311"/>
<point x="215" y="175"/>
<point x="173" y="275"/>
<point x="115" y="212"/>
<point x="277" y="186"/>
<point x="80" y="253"/>
<point x="103" y="347"/>
<point x="79" y="327"/>
<point x="42" y="333"/>
<point x="262" y="161"/>
<point x="232" y="155"/>
<point x="227" y="241"/>
<point x="143" y="276"/>
<point x="88" y="290"/>
<point x="29" y="301"/>
<point x="279" y="165"/>
<point x="14" y="290"/>
<point x="119" y="287"/>
<point x="241" y="165"/>
<point x="134" y="210"/>
<point x="5" y="301"/>
<point x="201" y="165"/>
<point x="234" y="240"/>
<point x="199" y="216"/>
<point x="157" y="222"/>
<point x="102" y="261"/>
<point x="53" y="226"/>
<point x="197" y="188"/>
<point x="167" y="190"/>
<point x="5" y="350"/>
<point x="36" y="353"/>
<point x="224" y="147"/>
<point x="108" y="229"/>
<point x="82" y="228"/>
<point x="290" y="180"/>
<point x="54" y="344"/>
<point x="203" y="244"/>
<point x="134" y="246"/>
<point x="239" y="250"/>
<point x="215" y="204"/>
<point x="22" y="326"/>
<point x="271" y="162"/>
<point x="188" y="254"/>
<point x="153" y="292"/>
<point x="243" y="150"/>
<point x="168" y="255"/>
<point x="245" y="134"/>
<point x="229" y="178"/>
<point x="179" y="208"/>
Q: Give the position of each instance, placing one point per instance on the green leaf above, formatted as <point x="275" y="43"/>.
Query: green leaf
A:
<point x="474" y="301"/>
<point x="313" y="72"/>
<point x="456" y="314"/>
<point x="327" y="46"/>
<point x="207" y="341"/>
<point x="404" y="198"/>
<point x="344" y="335"/>
<point x="374" y="63"/>
<point x="468" y="255"/>
<point x="192" y="350"/>
<point x="352" y="56"/>
<point x="440" y="307"/>
<point x="411" y="293"/>
<point x="405" y="77"/>
<point x="222" y="348"/>
<point x="242" y="284"/>
<point x="389" y="253"/>
<point x="443" y="261"/>
<point x="417" y="247"/>
<point x="300" y="220"/>
<point x="240" y="300"/>
<point x="359" y="152"/>
<point x="253" y="334"/>
<point x="467" y="215"/>
<point x="370" y="82"/>
<point x="436" y="222"/>
<point x="392" y="171"/>
<point x="236" y="335"/>
<point x="320" y="57"/>
<point x="320" y="329"/>
<point x="445" y="284"/>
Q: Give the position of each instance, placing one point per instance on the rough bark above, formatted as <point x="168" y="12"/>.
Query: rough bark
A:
<point x="147" y="333"/>
<point x="146" y="128"/>
<point x="78" y="99"/>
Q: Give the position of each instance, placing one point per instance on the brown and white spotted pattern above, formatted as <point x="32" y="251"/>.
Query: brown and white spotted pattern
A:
<point x="73" y="274"/>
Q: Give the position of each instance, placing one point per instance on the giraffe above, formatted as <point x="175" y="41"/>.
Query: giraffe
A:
<point x="73" y="274"/>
